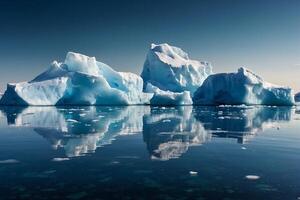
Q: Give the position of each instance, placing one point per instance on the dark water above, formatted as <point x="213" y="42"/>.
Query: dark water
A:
<point x="139" y="152"/>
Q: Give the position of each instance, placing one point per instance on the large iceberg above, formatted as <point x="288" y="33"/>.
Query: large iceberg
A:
<point x="170" y="69"/>
<point x="243" y="87"/>
<point x="80" y="80"/>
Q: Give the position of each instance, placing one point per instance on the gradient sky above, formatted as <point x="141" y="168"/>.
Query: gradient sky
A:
<point x="262" y="35"/>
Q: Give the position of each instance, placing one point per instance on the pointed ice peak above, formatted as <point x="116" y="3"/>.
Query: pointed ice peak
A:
<point x="55" y="70"/>
<point x="171" y="51"/>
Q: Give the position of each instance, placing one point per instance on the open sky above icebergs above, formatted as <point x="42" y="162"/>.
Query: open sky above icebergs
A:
<point x="261" y="35"/>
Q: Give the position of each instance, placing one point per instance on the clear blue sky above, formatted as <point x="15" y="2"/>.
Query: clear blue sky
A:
<point x="262" y="35"/>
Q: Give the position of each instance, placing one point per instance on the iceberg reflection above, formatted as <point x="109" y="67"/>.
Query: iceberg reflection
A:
<point x="167" y="131"/>
<point x="241" y="122"/>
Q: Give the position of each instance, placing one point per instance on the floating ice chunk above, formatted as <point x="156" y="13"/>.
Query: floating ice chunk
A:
<point x="72" y="120"/>
<point x="169" y="68"/>
<point x="9" y="161"/>
<point x="193" y="173"/>
<point x="60" y="159"/>
<point x="243" y="87"/>
<point x="252" y="177"/>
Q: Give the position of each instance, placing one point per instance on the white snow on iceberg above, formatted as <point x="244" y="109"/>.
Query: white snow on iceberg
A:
<point x="243" y="87"/>
<point x="80" y="80"/>
<point x="168" y="98"/>
<point x="169" y="68"/>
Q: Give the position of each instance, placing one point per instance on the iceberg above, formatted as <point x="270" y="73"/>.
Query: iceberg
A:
<point x="243" y="87"/>
<point x="80" y="80"/>
<point x="169" y="68"/>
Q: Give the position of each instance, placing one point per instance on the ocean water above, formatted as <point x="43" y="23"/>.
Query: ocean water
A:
<point x="143" y="152"/>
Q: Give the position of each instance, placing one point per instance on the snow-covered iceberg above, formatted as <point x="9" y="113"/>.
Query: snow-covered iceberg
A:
<point x="243" y="87"/>
<point x="80" y="80"/>
<point x="170" y="69"/>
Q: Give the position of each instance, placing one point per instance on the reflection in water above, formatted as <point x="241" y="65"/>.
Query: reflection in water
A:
<point x="242" y="123"/>
<point x="168" y="132"/>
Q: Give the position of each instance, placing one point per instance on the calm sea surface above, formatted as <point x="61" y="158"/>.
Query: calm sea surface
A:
<point x="143" y="152"/>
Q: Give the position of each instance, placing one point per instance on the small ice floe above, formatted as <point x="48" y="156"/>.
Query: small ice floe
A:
<point x="95" y="120"/>
<point x="166" y="120"/>
<point x="60" y="159"/>
<point x="252" y="177"/>
<point x="87" y="124"/>
<point x="70" y="112"/>
<point x="72" y="120"/>
<point x="9" y="161"/>
<point x="82" y="114"/>
<point x="193" y="173"/>
<point x="244" y="148"/>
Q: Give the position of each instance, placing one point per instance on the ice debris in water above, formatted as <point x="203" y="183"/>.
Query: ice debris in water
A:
<point x="60" y="159"/>
<point x="252" y="177"/>
<point x="9" y="161"/>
